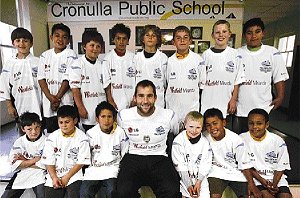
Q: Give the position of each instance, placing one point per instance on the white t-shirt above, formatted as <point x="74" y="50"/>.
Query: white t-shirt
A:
<point x="262" y="67"/>
<point x="230" y="157"/>
<point x="19" y="78"/>
<point x="28" y="177"/>
<point x="120" y="73"/>
<point x="89" y="79"/>
<point x="185" y="77"/>
<point x="54" y="68"/>
<point x="268" y="155"/>
<point x="107" y="151"/>
<point x="154" y="69"/>
<point x="148" y="135"/>
<point x="194" y="158"/>
<point x="223" y="72"/>
<point x="65" y="152"/>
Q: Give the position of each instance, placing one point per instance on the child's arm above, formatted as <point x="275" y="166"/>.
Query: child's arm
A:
<point x="232" y="102"/>
<point x="65" y="179"/>
<point x="109" y="96"/>
<point x="63" y="89"/>
<point x="57" y="183"/>
<point x="276" y="178"/>
<point x="252" y="189"/>
<point x="25" y="162"/>
<point x="262" y="180"/>
<point x="79" y="103"/>
<point x="280" y="87"/>
<point x="11" y="109"/>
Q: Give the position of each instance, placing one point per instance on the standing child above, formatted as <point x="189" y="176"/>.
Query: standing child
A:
<point x="19" y="77"/>
<point x="151" y="63"/>
<point x="224" y="72"/>
<point x="108" y="146"/>
<point x="269" y="155"/>
<point x="185" y="71"/>
<point x="192" y="157"/>
<point x="86" y="79"/>
<point x="119" y="72"/>
<point x="53" y="75"/>
<point x="66" y="152"/>
<point x="230" y="164"/>
<point x="25" y="157"/>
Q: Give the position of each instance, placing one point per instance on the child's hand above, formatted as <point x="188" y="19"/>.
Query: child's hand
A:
<point x="197" y="187"/>
<point x="65" y="180"/>
<point x="18" y="156"/>
<point x="231" y="106"/>
<point x="192" y="192"/>
<point x="57" y="183"/>
<point x="273" y="190"/>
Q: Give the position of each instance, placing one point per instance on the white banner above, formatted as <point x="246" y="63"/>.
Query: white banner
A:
<point x="145" y="10"/>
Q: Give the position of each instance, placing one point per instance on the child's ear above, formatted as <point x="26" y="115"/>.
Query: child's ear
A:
<point x="267" y="125"/>
<point x="75" y="120"/>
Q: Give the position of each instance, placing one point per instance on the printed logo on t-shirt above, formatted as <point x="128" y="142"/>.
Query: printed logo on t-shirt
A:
<point x="157" y="73"/>
<point x="113" y="71"/>
<point x="265" y="66"/>
<point x="34" y="72"/>
<point x="172" y="75"/>
<point x="198" y="159"/>
<point x="229" y="157"/>
<point x="209" y="68"/>
<point x="73" y="153"/>
<point x="133" y="132"/>
<point x="116" y="150"/>
<point x="23" y="89"/>
<point x="62" y="68"/>
<point x="271" y="157"/>
<point x="230" y="67"/>
<point x="160" y="131"/>
<point x="130" y="72"/>
<point x="192" y="74"/>
<point x="17" y="76"/>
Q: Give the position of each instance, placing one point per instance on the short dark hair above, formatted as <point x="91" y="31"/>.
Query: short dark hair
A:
<point x="120" y="28"/>
<point x="105" y="105"/>
<point x="253" y="22"/>
<point x="61" y="26"/>
<point x="28" y="118"/>
<point x="212" y="113"/>
<point x="91" y="35"/>
<point x="219" y="22"/>
<point x="67" y="111"/>
<point x="181" y="28"/>
<point x="145" y="83"/>
<point x="156" y="30"/>
<point x="21" y="33"/>
<point x="262" y="112"/>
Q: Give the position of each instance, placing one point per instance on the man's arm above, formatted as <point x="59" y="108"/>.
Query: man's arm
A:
<point x="280" y="89"/>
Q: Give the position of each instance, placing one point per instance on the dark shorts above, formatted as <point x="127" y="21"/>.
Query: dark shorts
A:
<point x="217" y="186"/>
<point x="282" y="189"/>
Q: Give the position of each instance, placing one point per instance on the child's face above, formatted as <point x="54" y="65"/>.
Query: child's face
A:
<point x="182" y="41"/>
<point x="193" y="128"/>
<point x="253" y="36"/>
<point x="150" y="39"/>
<point x="105" y="120"/>
<point x="33" y="131"/>
<point x="60" y="40"/>
<point x="121" y="40"/>
<point x="67" y="125"/>
<point x="257" y="125"/>
<point x="221" y="36"/>
<point x="92" y="50"/>
<point x="215" y="126"/>
<point x="23" y="45"/>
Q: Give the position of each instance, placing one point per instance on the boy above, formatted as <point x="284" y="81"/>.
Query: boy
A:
<point x="269" y="155"/>
<point x="108" y="146"/>
<point x="86" y="79"/>
<point x="19" y="77"/>
<point x="25" y="157"/>
<point x="230" y="164"/>
<point x="53" y="75"/>
<point x="263" y="65"/>
<point x="66" y="151"/>
<point x="223" y="66"/>
<point x="192" y="157"/>
<point x="151" y="63"/>
<point x="118" y="69"/>
<point x="185" y="72"/>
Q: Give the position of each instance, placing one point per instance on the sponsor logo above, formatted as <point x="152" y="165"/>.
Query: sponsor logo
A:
<point x="217" y="83"/>
<point x="89" y="94"/>
<point x="265" y="66"/>
<point x="23" y="89"/>
<point x="229" y="157"/>
<point x="181" y="90"/>
<point x="62" y="68"/>
<point x="208" y="68"/>
<point x="254" y="82"/>
<point x="230" y="67"/>
<point x="192" y="74"/>
<point x="34" y="72"/>
<point x="130" y="72"/>
<point x="157" y="73"/>
<point x="271" y="157"/>
<point x="73" y="153"/>
<point x="17" y="76"/>
<point x="160" y="131"/>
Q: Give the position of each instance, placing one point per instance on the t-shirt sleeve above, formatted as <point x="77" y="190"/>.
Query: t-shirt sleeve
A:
<point x="75" y="75"/>
<point x="84" y="154"/>
<point x="5" y="81"/>
<point x="71" y="62"/>
<point x="206" y="159"/>
<point x="283" y="157"/>
<point x="178" y="156"/>
<point x="41" y="68"/>
<point x="106" y="72"/>
<point x="279" y="70"/>
<point x="48" y="156"/>
<point x="242" y="156"/>
<point x="202" y="73"/>
<point x="240" y="77"/>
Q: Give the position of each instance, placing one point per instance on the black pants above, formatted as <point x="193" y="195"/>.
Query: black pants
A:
<point x="71" y="191"/>
<point x="157" y="172"/>
<point x="51" y="124"/>
<point x="240" y="124"/>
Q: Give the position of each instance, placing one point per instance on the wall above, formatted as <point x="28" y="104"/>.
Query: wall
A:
<point x="8" y="12"/>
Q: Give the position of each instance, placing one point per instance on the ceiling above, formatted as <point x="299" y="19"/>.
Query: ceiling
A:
<point x="269" y="10"/>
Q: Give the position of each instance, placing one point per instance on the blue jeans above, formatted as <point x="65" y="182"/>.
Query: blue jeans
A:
<point x="89" y="188"/>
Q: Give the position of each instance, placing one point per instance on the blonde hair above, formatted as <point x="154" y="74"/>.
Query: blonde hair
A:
<point x="219" y="22"/>
<point x="195" y="116"/>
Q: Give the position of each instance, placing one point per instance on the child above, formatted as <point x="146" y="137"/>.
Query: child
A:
<point x="66" y="151"/>
<point x="230" y="164"/>
<point x="86" y="79"/>
<point x="53" y="75"/>
<point x="108" y="146"/>
<point x="192" y="157"/>
<point x="185" y="71"/>
<point x="263" y="65"/>
<point x="118" y="70"/>
<point x="18" y="77"/>
<point x="269" y="155"/>
<point x="150" y="63"/>
<point x="224" y="72"/>
<point x="25" y="157"/>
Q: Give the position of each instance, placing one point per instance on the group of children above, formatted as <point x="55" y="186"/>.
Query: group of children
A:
<point x="56" y="82"/>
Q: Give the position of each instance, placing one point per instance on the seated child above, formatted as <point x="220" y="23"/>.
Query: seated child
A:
<point x="269" y="155"/>
<point x="25" y="157"/>
<point x="192" y="157"/>
<point x="66" y="151"/>
<point x="108" y="146"/>
<point x="230" y="164"/>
